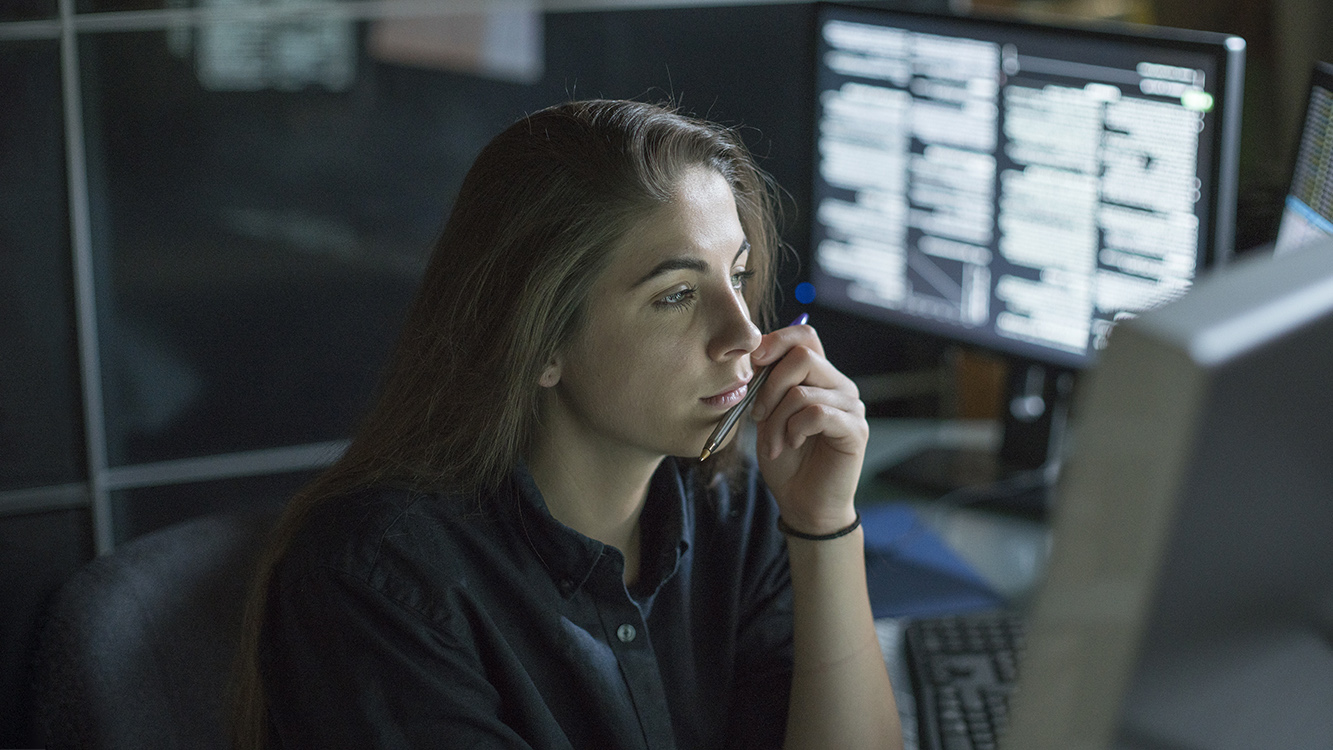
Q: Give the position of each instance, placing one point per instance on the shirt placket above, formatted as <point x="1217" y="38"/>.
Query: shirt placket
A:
<point x="627" y="633"/>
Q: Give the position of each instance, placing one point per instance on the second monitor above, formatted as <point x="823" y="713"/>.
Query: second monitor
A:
<point x="1018" y="187"/>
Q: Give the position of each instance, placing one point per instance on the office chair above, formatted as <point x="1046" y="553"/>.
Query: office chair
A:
<point x="137" y="648"/>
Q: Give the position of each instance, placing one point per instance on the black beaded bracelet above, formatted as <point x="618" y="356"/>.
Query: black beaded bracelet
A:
<point x="789" y="531"/>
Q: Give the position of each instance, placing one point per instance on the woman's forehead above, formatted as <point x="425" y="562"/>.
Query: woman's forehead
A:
<point x="699" y="225"/>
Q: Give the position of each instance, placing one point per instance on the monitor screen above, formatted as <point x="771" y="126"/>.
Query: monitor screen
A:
<point x="1015" y="186"/>
<point x="1188" y="599"/>
<point x="1308" y="213"/>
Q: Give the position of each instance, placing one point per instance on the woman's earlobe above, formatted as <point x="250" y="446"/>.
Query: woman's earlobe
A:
<point x="550" y="375"/>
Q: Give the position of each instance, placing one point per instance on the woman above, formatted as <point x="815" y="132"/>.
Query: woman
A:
<point x="520" y="548"/>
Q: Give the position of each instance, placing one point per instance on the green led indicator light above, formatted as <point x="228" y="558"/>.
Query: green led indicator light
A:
<point x="1199" y="101"/>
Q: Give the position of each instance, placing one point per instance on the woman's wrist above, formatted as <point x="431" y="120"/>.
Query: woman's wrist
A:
<point x="821" y="535"/>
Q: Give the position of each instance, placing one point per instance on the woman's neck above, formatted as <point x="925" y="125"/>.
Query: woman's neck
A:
<point x="601" y="494"/>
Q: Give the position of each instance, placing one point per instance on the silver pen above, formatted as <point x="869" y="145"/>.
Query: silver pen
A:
<point x="733" y="414"/>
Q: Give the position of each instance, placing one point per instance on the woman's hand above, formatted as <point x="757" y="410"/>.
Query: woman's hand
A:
<point x="811" y="430"/>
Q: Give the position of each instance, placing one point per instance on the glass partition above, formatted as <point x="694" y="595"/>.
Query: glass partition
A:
<point x="264" y="193"/>
<point x="146" y="509"/>
<point x="258" y="245"/>
<point x="27" y="10"/>
<point x="41" y="437"/>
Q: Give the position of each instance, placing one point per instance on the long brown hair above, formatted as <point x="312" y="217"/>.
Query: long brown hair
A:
<point x="506" y="287"/>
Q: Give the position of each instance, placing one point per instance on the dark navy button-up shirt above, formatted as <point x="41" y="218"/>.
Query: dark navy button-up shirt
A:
<point x="479" y="621"/>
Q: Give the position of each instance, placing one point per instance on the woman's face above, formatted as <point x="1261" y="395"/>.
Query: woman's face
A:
<point x="666" y="347"/>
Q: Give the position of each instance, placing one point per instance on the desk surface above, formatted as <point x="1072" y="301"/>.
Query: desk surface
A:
<point x="1009" y="552"/>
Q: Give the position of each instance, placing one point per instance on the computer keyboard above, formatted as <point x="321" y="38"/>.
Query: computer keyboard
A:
<point x="963" y="670"/>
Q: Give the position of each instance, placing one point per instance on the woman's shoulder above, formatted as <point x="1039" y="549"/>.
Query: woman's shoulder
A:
<point x="388" y="538"/>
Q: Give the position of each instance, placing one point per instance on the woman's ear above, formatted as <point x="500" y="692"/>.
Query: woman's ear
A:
<point x="550" y="374"/>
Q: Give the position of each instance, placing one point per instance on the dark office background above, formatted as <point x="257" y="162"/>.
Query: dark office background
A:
<point x="250" y="247"/>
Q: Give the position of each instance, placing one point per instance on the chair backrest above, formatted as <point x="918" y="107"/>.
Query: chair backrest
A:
<point x="137" y="648"/>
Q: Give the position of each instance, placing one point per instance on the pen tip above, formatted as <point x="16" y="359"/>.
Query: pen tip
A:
<point x="704" y="456"/>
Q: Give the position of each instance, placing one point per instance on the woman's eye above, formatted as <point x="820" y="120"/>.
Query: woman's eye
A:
<point x="739" y="278"/>
<point x="677" y="298"/>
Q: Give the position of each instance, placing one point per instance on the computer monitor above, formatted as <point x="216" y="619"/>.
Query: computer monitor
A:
<point x="1018" y="187"/>
<point x="1307" y="214"/>
<point x="1188" y="599"/>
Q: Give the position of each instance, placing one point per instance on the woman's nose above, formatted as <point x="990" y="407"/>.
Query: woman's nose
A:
<point x="734" y="334"/>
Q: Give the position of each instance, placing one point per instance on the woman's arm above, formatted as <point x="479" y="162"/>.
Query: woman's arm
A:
<point x="841" y="696"/>
<point x="812" y="434"/>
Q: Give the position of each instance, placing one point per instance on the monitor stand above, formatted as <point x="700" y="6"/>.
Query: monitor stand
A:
<point x="1019" y="477"/>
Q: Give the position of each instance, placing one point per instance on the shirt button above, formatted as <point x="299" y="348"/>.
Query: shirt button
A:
<point x="626" y="633"/>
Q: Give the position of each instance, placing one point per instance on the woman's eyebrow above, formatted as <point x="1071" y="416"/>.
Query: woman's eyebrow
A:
<point x="684" y="263"/>
<point x="673" y="264"/>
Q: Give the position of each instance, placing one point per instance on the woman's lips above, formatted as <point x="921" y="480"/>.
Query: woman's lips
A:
<point x="727" y="398"/>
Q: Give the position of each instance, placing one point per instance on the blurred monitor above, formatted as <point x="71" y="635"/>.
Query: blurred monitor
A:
<point x="1017" y="187"/>
<point x="1307" y="215"/>
<point x="1188" y="600"/>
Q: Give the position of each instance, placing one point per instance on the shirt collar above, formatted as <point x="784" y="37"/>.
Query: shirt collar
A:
<point x="570" y="557"/>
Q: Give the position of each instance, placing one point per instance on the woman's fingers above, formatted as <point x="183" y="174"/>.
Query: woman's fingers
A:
<point x="800" y="365"/>
<point x="804" y="395"/>
<point x="774" y="345"/>
<point x="810" y="451"/>
<point x="805" y="411"/>
<point x="811" y="429"/>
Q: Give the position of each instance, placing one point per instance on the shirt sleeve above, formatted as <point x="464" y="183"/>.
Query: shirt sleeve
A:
<point x="345" y="666"/>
